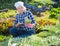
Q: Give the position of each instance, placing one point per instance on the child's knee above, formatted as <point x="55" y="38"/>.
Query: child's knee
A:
<point x="12" y="30"/>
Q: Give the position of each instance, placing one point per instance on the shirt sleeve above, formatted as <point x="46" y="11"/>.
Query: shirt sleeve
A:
<point x="16" y="21"/>
<point x="31" y="17"/>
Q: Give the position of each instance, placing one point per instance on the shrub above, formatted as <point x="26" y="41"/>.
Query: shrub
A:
<point x="54" y="13"/>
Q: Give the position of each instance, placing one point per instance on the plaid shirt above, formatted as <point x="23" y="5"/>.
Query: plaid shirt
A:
<point x="21" y="18"/>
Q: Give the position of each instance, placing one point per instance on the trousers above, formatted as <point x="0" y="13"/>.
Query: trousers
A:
<point x="21" y="31"/>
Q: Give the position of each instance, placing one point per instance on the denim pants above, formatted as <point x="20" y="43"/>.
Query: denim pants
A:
<point x="22" y="31"/>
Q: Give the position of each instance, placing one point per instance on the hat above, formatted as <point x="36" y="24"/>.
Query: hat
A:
<point x="19" y="3"/>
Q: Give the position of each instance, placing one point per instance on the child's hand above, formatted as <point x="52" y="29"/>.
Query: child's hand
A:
<point x="18" y="24"/>
<point x="30" y="25"/>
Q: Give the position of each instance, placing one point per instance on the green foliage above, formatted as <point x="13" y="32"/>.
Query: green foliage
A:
<point x="5" y="19"/>
<point x="4" y="43"/>
<point x="54" y="13"/>
<point x="50" y="38"/>
<point x="35" y="41"/>
<point x="43" y="34"/>
<point x="44" y="38"/>
<point x="28" y="41"/>
<point x="52" y="29"/>
<point x="10" y="3"/>
<point x="10" y="13"/>
<point x="2" y="38"/>
<point x="53" y="40"/>
<point x="45" y="1"/>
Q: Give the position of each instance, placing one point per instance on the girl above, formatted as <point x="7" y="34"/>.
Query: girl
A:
<point x="21" y="28"/>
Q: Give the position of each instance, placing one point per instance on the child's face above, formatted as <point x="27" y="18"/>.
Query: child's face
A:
<point x="20" y="9"/>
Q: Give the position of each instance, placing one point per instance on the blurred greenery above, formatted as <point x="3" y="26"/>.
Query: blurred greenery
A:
<point x="42" y="39"/>
<point x="10" y="3"/>
<point x="49" y="30"/>
<point x="54" y="13"/>
<point x="45" y="1"/>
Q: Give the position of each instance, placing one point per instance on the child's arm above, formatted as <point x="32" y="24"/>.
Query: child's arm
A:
<point x="33" y="22"/>
<point x="17" y="23"/>
<point x="30" y="16"/>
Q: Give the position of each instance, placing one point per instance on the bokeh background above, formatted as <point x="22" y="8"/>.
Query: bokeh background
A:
<point x="47" y="16"/>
